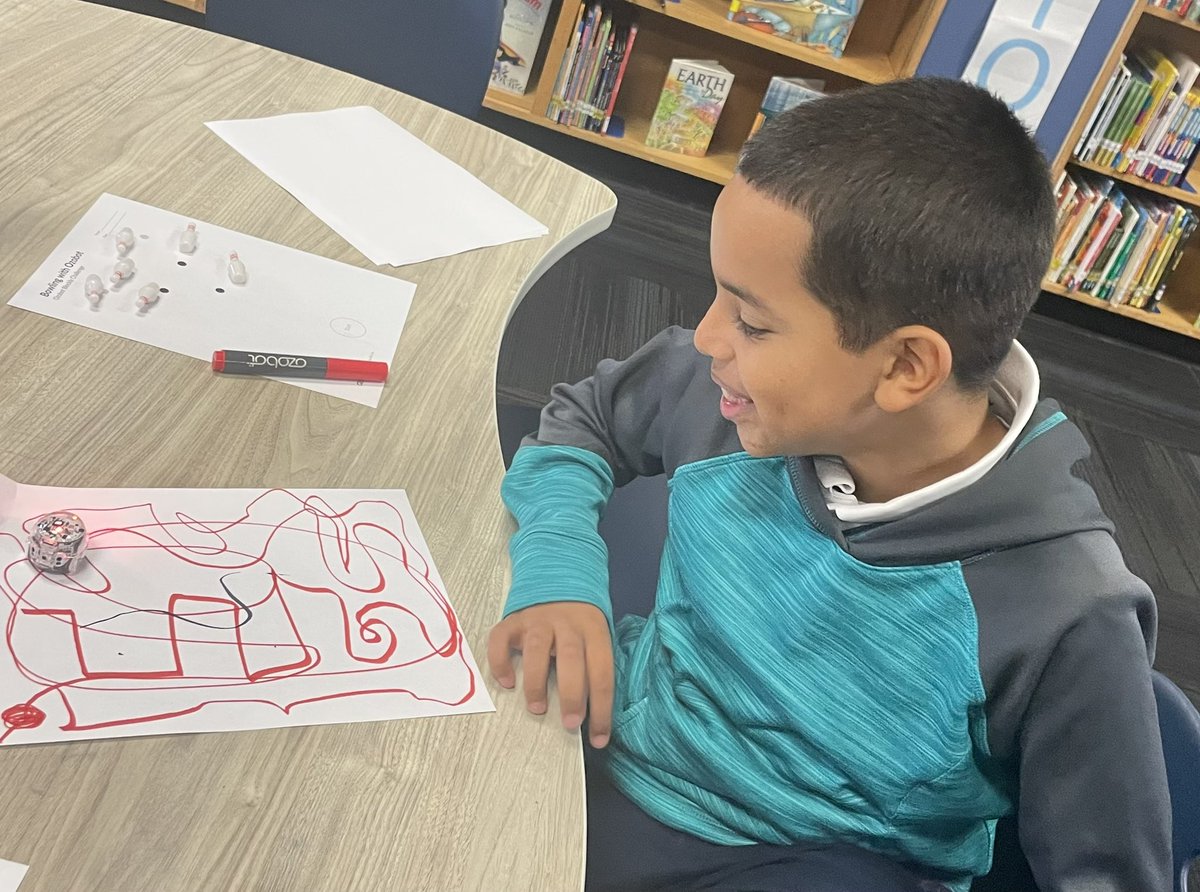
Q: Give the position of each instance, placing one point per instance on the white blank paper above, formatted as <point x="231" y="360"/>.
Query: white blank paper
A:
<point x="383" y="190"/>
<point x="292" y="301"/>
<point x="11" y="875"/>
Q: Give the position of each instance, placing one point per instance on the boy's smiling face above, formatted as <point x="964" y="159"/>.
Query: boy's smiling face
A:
<point x="786" y="381"/>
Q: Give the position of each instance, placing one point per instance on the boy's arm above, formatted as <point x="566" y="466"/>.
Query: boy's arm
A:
<point x="593" y="435"/>
<point x="1094" y="812"/>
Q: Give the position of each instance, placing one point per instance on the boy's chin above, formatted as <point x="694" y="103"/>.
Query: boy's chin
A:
<point x="757" y="448"/>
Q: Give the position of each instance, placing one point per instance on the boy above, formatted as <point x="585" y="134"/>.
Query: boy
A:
<point x="888" y="612"/>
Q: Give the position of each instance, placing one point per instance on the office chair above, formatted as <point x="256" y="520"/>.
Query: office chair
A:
<point x="634" y="528"/>
<point x="1180" y="725"/>
<point x="441" y="52"/>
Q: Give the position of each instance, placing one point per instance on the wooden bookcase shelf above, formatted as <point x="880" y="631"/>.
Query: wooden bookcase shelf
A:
<point x="1167" y="317"/>
<point x="1180" y="307"/>
<point x="1190" y="197"/>
<point x="1155" y="12"/>
<point x="887" y="42"/>
<point x="716" y="166"/>
<point x="870" y="65"/>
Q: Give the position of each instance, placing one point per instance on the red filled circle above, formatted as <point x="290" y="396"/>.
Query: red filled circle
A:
<point x="23" y="715"/>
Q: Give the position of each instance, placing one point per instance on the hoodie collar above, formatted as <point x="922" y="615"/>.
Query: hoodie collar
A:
<point x="1013" y="397"/>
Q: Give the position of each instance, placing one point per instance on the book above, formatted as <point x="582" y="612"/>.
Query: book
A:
<point x="1136" y="266"/>
<point x="692" y="99"/>
<point x="1108" y="259"/>
<point x="589" y="77"/>
<point x="1163" y="249"/>
<point x="587" y="37"/>
<point x="1095" y="194"/>
<point x="520" y="36"/>
<point x="1111" y="103"/>
<point x="1180" y="146"/>
<point x="784" y="93"/>
<point x="608" y="68"/>
<point x="567" y="66"/>
<point x="597" y="48"/>
<point x="824" y="25"/>
<point x="1133" y="104"/>
<point x="1189" y="227"/>
<point x="1096" y="111"/>
<point x="1176" y="101"/>
<point x="1163" y="77"/>
<point x="1066" y="197"/>
<point x="1105" y="224"/>
<point x="631" y="36"/>
<point x="1111" y="276"/>
<point x="1152" y="162"/>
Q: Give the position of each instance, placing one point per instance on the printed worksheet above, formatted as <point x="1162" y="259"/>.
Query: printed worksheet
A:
<point x="287" y="301"/>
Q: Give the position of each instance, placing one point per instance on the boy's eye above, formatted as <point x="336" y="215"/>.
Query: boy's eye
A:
<point x="748" y="330"/>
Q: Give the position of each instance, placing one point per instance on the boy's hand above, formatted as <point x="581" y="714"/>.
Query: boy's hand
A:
<point x="576" y="635"/>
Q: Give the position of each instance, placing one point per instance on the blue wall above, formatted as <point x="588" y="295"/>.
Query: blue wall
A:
<point x="959" y="30"/>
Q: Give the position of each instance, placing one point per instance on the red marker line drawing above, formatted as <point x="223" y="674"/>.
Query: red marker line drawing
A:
<point x="288" y="604"/>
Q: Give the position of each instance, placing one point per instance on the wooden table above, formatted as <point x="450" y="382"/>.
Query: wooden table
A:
<point x="96" y="100"/>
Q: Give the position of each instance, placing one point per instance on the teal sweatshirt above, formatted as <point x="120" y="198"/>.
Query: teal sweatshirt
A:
<point x="898" y="686"/>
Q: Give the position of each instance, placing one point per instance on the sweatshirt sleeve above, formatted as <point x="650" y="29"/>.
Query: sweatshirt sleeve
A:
<point x="1094" y="812"/>
<point x="593" y="436"/>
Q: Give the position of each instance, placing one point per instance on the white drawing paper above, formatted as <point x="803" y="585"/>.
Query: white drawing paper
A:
<point x="223" y="610"/>
<point x="291" y="302"/>
<point x="11" y="874"/>
<point x="1025" y="49"/>
<point x="375" y="184"/>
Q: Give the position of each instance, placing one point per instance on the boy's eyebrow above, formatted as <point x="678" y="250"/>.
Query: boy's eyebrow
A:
<point x="744" y="295"/>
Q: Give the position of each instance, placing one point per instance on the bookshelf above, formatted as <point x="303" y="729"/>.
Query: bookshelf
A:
<point x="1145" y="26"/>
<point x="887" y="42"/>
<point x="1155" y="12"/>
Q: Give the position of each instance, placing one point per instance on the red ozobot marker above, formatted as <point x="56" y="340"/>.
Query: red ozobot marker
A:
<point x="289" y="365"/>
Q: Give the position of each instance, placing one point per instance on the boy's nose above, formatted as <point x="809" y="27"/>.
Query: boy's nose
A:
<point x="705" y="338"/>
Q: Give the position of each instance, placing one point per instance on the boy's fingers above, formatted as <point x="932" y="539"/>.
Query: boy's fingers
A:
<point x="535" y="665"/>
<point x="600" y="686"/>
<point x="499" y="652"/>
<point x="570" y="673"/>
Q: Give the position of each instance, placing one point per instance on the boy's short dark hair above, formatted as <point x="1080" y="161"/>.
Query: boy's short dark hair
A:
<point x="929" y="203"/>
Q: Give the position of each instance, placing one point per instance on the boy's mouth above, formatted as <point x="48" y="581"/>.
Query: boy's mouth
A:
<point x="733" y="404"/>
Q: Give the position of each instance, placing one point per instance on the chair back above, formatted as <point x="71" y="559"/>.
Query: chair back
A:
<point x="1180" y="725"/>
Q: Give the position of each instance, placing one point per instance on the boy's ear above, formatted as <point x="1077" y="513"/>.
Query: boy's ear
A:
<point x="916" y="362"/>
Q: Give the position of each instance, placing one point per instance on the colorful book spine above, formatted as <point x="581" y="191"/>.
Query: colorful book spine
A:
<point x="1097" y="110"/>
<point x="612" y="101"/>
<point x="1133" y="106"/>
<point x="1109" y="105"/>
<point x="566" y="67"/>
<point x="1163" y="77"/>
<point x="1117" y="246"/>
<point x="593" y="66"/>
